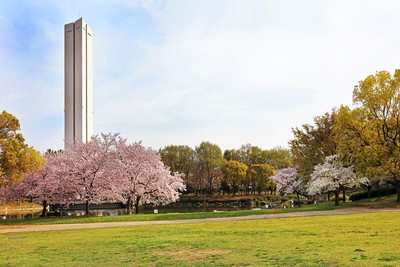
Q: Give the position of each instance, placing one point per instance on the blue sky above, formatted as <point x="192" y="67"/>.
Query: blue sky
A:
<point x="181" y="72"/>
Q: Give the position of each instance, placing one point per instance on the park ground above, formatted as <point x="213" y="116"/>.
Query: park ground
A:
<point x="361" y="239"/>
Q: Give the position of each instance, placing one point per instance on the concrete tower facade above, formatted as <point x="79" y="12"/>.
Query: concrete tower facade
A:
<point x="78" y="82"/>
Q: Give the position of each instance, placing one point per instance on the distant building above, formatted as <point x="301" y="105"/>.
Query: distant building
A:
<point x="78" y="82"/>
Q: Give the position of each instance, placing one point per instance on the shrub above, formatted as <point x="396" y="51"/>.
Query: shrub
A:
<point x="256" y="203"/>
<point x="374" y="193"/>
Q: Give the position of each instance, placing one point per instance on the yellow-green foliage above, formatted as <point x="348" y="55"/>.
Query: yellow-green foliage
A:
<point x="16" y="157"/>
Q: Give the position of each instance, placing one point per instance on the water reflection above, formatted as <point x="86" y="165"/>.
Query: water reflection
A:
<point x="99" y="213"/>
<point x="147" y="210"/>
<point x="19" y="216"/>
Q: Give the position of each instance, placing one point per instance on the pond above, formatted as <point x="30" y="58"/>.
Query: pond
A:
<point x="18" y="216"/>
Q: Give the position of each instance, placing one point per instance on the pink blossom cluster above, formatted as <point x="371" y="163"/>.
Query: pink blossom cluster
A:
<point x="106" y="169"/>
<point x="287" y="181"/>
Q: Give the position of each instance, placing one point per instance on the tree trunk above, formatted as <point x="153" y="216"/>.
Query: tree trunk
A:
<point x="137" y="205"/>
<point x="337" y="197"/>
<point x="369" y="191"/>
<point x="129" y="205"/>
<point x="87" y="208"/>
<point x="344" y="195"/>
<point x="44" y="208"/>
<point x="298" y="199"/>
<point x="379" y="190"/>
<point x="398" y="192"/>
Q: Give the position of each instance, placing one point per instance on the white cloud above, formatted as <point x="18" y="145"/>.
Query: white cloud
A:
<point x="181" y="72"/>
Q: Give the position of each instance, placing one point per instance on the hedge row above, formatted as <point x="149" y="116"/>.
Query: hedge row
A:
<point x="374" y="193"/>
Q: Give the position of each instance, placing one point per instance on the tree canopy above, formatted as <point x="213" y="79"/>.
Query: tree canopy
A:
<point x="332" y="176"/>
<point x="369" y="134"/>
<point x="16" y="157"/>
<point x="288" y="182"/>
<point x="313" y="143"/>
<point x="235" y="174"/>
<point x="104" y="169"/>
<point x="209" y="160"/>
<point x="180" y="158"/>
<point x="260" y="178"/>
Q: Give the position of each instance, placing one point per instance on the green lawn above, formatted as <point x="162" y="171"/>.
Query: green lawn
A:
<point x="343" y="240"/>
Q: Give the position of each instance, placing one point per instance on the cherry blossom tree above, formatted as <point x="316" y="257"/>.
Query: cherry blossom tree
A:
<point x="332" y="176"/>
<point x="49" y="185"/>
<point x="39" y="187"/>
<point x="84" y="169"/>
<point x="104" y="169"/>
<point x="18" y="192"/>
<point x="143" y="176"/>
<point x="288" y="182"/>
<point x="159" y="186"/>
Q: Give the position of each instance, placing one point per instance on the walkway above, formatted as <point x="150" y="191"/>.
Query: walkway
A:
<point x="55" y="227"/>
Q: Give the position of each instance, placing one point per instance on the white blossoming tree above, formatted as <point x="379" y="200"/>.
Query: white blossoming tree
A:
<point x="332" y="176"/>
<point x="288" y="182"/>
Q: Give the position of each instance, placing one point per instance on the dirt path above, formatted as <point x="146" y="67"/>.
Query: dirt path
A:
<point x="55" y="227"/>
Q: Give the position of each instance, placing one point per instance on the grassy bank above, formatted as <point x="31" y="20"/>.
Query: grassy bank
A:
<point x="341" y="240"/>
<point x="373" y="203"/>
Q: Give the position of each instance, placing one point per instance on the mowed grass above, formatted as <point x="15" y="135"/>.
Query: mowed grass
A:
<point x="342" y="240"/>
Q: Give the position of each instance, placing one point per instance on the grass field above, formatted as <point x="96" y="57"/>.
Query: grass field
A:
<point x="341" y="240"/>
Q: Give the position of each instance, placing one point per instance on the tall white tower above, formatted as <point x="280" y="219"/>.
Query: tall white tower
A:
<point x="78" y="82"/>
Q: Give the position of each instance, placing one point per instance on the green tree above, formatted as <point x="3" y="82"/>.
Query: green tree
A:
<point x="209" y="160"/>
<point x="313" y="143"/>
<point x="16" y="158"/>
<point x="260" y="178"/>
<point x="246" y="154"/>
<point x="249" y="154"/>
<point x="234" y="175"/>
<point x="180" y="159"/>
<point x="231" y="154"/>
<point x="369" y="135"/>
<point x="278" y="158"/>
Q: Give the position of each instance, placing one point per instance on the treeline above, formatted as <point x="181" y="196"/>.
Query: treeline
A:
<point x="341" y="149"/>
<point x="207" y="170"/>
<point x="364" y="138"/>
